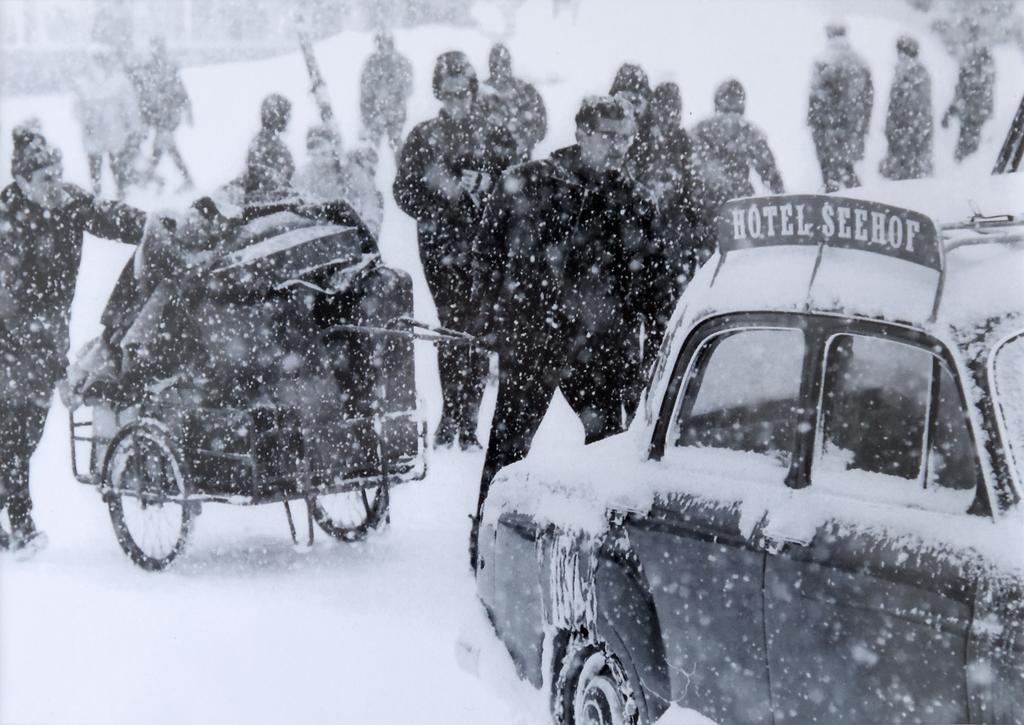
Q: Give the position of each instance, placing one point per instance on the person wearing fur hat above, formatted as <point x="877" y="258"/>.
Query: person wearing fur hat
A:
<point x="446" y="175"/>
<point x="839" y="109"/>
<point x="908" y="123"/>
<point x="561" y="262"/>
<point x="42" y="224"/>
<point x="728" y="146"/>
<point x="516" y="102"/>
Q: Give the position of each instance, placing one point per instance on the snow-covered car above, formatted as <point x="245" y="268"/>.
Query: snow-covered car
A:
<point x="815" y="516"/>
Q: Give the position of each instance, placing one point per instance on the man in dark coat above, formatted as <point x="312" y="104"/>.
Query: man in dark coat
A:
<point x="384" y="88"/>
<point x="631" y="85"/>
<point x="164" y="102"/>
<point x="519" y="105"/>
<point x="972" y="103"/>
<point x="559" y="256"/>
<point x="42" y="221"/>
<point x="839" y="110"/>
<point x="728" y="146"/>
<point x="269" y="164"/>
<point x="908" y="124"/>
<point x="446" y="174"/>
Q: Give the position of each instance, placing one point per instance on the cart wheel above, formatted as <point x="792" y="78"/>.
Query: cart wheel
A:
<point x="351" y="514"/>
<point x="151" y="519"/>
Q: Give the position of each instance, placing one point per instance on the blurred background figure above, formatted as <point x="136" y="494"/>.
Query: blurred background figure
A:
<point x="908" y="123"/>
<point x="331" y="174"/>
<point x="269" y="164"/>
<point x="384" y="89"/>
<point x="727" y="146"/>
<point x="972" y="103"/>
<point x="839" y="111"/>
<point x="631" y="85"/>
<point x="164" y="103"/>
<point x="108" y="111"/>
<point x="519" y="108"/>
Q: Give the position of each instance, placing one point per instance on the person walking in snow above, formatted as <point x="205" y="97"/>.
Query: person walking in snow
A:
<point x="384" y="89"/>
<point x="269" y="164"/>
<point x="42" y="222"/>
<point x="164" y="103"/>
<point x="727" y="147"/>
<point x="972" y="103"/>
<point x="839" y="110"/>
<point x="554" y="278"/>
<point x="447" y="172"/>
<point x="517" y="102"/>
<point x="330" y="174"/>
<point x="908" y="123"/>
<point x="106" y="106"/>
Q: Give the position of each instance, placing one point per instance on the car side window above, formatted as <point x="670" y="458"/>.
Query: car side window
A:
<point x="743" y="394"/>
<point x="892" y="427"/>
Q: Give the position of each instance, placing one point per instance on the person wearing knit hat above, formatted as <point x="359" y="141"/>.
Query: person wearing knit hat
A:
<point x="631" y="84"/>
<point x="447" y="171"/>
<point x="839" y="109"/>
<point x="517" y="103"/>
<point x="908" y="122"/>
<point x="42" y="225"/>
<point x="727" y="147"/>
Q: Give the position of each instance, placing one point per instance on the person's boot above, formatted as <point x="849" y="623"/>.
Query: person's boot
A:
<point x="5" y="540"/>
<point x="26" y="539"/>
<point x="445" y="434"/>
<point x="468" y="440"/>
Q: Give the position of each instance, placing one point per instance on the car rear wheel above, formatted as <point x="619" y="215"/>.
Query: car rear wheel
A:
<point x="593" y="688"/>
<point x="350" y="515"/>
<point x="147" y="497"/>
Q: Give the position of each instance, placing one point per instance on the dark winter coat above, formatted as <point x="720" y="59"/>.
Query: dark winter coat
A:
<point x="269" y="166"/>
<point x="841" y="99"/>
<point x="563" y="247"/>
<point x="670" y="177"/>
<point x="521" y="110"/>
<point x="439" y="151"/>
<point x="163" y="99"/>
<point x="727" y="146"/>
<point x="973" y="100"/>
<point x="908" y="124"/>
<point x="384" y="87"/>
<point x="40" y="251"/>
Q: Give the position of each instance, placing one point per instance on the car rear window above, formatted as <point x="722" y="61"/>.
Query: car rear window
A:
<point x="892" y="428"/>
<point x="1008" y="374"/>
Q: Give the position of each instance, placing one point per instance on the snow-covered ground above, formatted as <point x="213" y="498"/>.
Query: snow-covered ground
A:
<point x="244" y="628"/>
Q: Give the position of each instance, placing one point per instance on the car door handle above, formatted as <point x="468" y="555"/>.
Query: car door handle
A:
<point x="775" y="542"/>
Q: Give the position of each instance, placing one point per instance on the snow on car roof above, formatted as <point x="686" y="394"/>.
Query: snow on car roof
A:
<point x="959" y="291"/>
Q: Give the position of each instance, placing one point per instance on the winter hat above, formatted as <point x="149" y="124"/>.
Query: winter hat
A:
<point x="631" y="77"/>
<point x="835" y="30"/>
<point x="907" y="46"/>
<point x="321" y="134"/>
<point x="667" y="102"/>
<point x="730" y="97"/>
<point x="31" y="152"/>
<point x="595" y="108"/>
<point x="500" y="61"/>
<point x="275" y="112"/>
<point x="453" y="64"/>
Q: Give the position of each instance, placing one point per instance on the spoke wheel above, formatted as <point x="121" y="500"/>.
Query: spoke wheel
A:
<point x="350" y="515"/>
<point x="593" y="689"/>
<point x="147" y="498"/>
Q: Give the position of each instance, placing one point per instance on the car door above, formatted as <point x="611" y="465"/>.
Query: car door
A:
<point x="724" y="443"/>
<point x="865" y="623"/>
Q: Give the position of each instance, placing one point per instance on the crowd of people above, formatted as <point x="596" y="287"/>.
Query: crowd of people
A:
<point x="567" y="266"/>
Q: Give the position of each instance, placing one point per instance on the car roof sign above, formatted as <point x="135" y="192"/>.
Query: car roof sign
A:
<point x="829" y="221"/>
